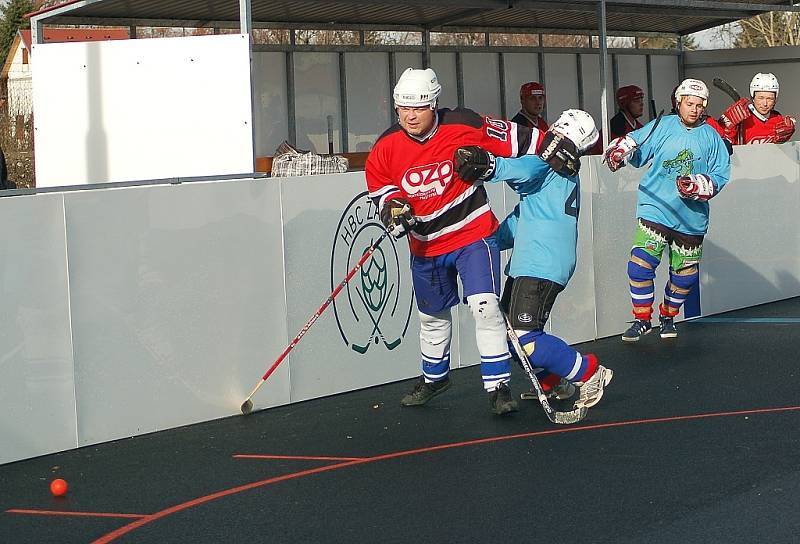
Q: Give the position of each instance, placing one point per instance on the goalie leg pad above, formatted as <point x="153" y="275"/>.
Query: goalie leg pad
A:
<point x="434" y="341"/>
<point x="531" y="301"/>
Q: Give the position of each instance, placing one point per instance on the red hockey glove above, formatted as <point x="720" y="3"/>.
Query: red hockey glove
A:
<point x="695" y="187"/>
<point x="784" y="129"/>
<point x="617" y="151"/>
<point x="397" y="216"/>
<point x="736" y="113"/>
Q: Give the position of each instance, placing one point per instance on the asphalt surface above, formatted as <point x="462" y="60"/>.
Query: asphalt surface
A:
<point x="695" y="441"/>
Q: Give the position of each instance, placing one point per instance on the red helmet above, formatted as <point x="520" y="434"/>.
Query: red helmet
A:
<point x="627" y="94"/>
<point x="531" y="88"/>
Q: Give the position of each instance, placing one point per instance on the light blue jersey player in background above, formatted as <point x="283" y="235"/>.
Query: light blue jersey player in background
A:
<point x="543" y="230"/>
<point x="689" y="165"/>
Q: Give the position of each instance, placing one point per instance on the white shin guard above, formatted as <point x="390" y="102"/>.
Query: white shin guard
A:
<point x="490" y="335"/>
<point x="434" y="334"/>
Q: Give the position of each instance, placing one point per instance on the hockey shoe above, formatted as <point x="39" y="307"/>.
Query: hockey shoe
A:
<point x="668" y="329"/>
<point x="592" y="391"/>
<point x="423" y="392"/>
<point x="500" y="400"/>
<point x="562" y="391"/>
<point x="639" y="328"/>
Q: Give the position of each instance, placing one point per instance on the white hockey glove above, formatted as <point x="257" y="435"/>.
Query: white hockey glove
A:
<point x="618" y="150"/>
<point x="695" y="187"/>
<point x="473" y="163"/>
<point x="397" y="216"/>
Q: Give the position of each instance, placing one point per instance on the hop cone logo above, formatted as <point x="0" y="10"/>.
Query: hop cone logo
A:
<point x="373" y="280"/>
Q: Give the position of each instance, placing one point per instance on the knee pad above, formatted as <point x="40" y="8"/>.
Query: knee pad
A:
<point x="434" y="333"/>
<point x="485" y="309"/>
<point x="642" y="265"/>
<point x="685" y="278"/>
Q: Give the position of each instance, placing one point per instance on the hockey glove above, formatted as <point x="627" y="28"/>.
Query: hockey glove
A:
<point x="397" y="216"/>
<point x="784" y="129"/>
<point x="473" y="163"/>
<point x="617" y="151"/>
<point x="560" y="153"/>
<point x="695" y="187"/>
<point x="736" y="113"/>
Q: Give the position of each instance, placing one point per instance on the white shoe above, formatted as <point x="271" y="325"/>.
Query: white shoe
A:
<point x="592" y="391"/>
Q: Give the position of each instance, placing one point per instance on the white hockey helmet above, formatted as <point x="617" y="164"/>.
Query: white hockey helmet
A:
<point x="417" y="88"/>
<point x="692" y="87"/>
<point x="764" y="82"/>
<point x="578" y="126"/>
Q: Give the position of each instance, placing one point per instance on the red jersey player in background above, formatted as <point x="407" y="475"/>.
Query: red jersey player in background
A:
<point x="630" y="101"/>
<point x="410" y="175"/>
<point x="531" y="99"/>
<point x="757" y="121"/>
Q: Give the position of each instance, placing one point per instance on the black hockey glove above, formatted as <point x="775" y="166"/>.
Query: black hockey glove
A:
<point x="473" y="163"/>
<point x="560" y="153"/>
<point x="397" y="216"/>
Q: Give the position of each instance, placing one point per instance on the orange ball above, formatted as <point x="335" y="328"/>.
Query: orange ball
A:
<point x="58" y="487"/>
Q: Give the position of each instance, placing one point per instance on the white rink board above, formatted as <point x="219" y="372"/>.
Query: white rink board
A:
<point x="129" y="110"/>
<point x="183" y="295"/>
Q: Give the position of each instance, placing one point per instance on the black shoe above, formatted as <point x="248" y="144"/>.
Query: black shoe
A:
<point x="639" y="328"/>
<point x="668" y="329"/>
<point x="423" y="392"/>
<point x="500" y="400"/>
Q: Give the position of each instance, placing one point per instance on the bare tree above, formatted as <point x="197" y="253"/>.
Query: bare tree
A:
<point x="771" y="29"/>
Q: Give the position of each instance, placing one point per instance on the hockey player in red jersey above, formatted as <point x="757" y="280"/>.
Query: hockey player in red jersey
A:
<point x="450" y="227"/>
<point x="756" y="121"/>
<point x="630" y="100"/>
<point x="532" y="99"/>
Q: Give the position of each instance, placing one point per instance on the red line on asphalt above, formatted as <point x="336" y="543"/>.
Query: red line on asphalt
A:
<point x="295" y="457"/>
<point x="66" y="513"/>
<point x="110" y="537"/>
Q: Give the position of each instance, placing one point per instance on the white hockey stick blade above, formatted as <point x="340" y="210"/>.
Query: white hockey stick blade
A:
<point x="555" y="416"/>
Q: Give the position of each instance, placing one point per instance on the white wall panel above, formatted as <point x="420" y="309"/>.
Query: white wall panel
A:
<point x="37" y="393"/>
<point x="369" y="106"/>
<point x="370" y="335"/>
<point x="177" y="304"/>
<point x="481" y="91"/>
<point x="406" y="60"/>
<point x="270" y="105"/>
<point x="665" y="78"/>
<point x="444" y="64"/>
<point x="561" y="76"/>
<point x="316" y="77"/>
<point x="590" y="69"/>
<point x="520" y="68"/>
<point x="142" y="109"/>
<point x="752" y="252"/>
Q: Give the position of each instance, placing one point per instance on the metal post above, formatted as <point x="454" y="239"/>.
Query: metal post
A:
<point x="579" y="73"/>
<point x="245" y="16"/>
<point x="603" y="71"/>
<point x="37" y="31"/>
<point x="501" y="73"/>
<point x="344" y="145"/>
<point x="542" y="82"/>
<point x="426" y="53"/>
<point x="459" y="80"/>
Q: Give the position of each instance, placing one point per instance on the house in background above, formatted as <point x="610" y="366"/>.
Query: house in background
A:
<point x="16" y="104"/>
<point x="17" y="70"/>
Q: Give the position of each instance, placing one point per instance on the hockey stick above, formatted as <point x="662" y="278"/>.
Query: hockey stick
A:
<point x="731" y="91"/>
<point x="247" y="405"/>
<point x="561" y="418"/>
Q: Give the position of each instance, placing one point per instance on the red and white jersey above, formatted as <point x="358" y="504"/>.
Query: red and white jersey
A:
<point x="756" y="131"/>
<point x="525" y="120"/>
<point x="450" y="212"/>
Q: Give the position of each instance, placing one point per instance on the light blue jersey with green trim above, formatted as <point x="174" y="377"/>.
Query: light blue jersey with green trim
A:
<point x="675" y="150"/>
<point x="543" y="228"/>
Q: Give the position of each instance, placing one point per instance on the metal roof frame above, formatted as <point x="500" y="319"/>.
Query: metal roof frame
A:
<point x="595" y="17"/>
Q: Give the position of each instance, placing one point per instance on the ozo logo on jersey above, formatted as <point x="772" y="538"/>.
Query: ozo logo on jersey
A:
<point x="426" y="181"/>
<point x="375" y="306"/>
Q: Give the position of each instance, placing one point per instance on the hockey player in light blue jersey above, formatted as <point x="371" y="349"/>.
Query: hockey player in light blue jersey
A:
<point x="689" y="164"/>
<point x="543" y="230"/>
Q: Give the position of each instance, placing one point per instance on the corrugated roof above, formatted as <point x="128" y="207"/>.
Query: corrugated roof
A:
<point x="669" y="16"/>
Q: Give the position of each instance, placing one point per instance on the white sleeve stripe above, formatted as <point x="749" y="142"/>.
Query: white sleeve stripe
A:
<point x="450" y="205"/>
<point x="514" y="140"/>
<point x="383" y="191"/>
<point x="455" y="226"/>
<point x="575" y="369"/>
